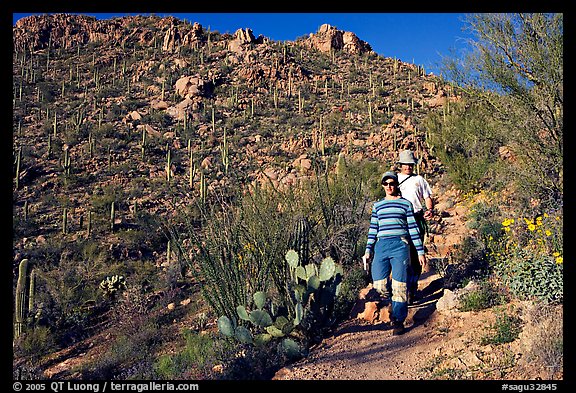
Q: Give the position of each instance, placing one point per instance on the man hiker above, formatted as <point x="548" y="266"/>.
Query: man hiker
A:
<point x="417" y="190"/>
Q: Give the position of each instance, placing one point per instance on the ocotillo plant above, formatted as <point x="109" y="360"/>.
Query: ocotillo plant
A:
<point x="21" y="298"/>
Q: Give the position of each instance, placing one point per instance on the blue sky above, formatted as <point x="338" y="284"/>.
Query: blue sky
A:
<point x="420" y="37"/>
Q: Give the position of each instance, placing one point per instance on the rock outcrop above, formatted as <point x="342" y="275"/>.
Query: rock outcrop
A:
<point x="329" y="38"/>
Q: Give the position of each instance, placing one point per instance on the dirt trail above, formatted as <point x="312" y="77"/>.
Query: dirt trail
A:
<point x="361" y="350"/>
<point x="436" y="345"/>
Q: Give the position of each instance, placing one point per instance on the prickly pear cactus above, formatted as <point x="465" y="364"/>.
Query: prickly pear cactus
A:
<point x="327" y="269"/>
<point x="225" y="326"/>
<point x="112" y="284"/>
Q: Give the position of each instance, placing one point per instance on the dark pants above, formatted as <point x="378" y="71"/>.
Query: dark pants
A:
<point x="415" y="269"/>
<point x="392" y="258"/>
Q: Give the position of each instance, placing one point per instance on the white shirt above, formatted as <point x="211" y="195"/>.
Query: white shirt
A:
<point x="415" y="189"/>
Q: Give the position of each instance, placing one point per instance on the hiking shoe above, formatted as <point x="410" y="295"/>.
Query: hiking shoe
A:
<point x="412" y="298"/>
<point x="398" y="328"/>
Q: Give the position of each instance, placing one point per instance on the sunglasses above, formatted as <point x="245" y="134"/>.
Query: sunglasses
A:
<point x="389" y="184"/>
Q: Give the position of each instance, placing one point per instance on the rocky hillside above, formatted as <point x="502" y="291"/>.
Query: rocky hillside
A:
<point x="119" y="121"/>
<point x="115" y="96"/>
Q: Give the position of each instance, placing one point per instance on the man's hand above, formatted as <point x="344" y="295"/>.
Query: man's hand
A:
<point x="423" y="262"/>
<point x="428" y="214"/>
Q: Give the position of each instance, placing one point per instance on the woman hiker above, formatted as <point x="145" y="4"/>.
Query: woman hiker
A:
<point x="392" y="224"/>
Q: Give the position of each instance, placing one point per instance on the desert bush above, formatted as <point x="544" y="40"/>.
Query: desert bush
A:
<point x="35" y="343"/>
<point x="467" y="261"/>
<point x="234" y="250"/>
<point x="545" y="336"/>
<point x="247" y="362"/>
<point x="353" y="281"/>
<point x="484" y="218"/>
<point x="505" y="329"/>
<point x="194" y="361"/>
<point x="466" y="141"/>
<point x="485" y="296"/>
<point x="528" y="257"/>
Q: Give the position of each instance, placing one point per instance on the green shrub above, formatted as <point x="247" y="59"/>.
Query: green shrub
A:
<point x="194" y="359"/>
<point x="353" y="281"/>
<point x="466" y="140"/>
<point x="485" y="219"/>
<point x="486" y="296"/>
<point x="532" y="276"/>
<point x="505" y="329"/>
<point x="529" y="256"/>
<point x="36" y="342"/>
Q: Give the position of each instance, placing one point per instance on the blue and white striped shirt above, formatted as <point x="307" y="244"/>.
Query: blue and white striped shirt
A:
<point x="393" y="217"/>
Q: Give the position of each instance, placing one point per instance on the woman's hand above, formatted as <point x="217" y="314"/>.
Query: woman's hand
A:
<point x="366" y="259"/>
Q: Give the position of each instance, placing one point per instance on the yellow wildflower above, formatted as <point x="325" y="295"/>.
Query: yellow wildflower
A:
<point x="556" y="254"/>
<point x="546" y="215"/>
<point x="559" y="260"/>
<point x="548" y="233"/>
<point x="507" y="222"/>
<point x="531" y="227"/>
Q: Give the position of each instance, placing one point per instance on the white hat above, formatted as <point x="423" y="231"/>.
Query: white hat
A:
<point x="407" y="157"/>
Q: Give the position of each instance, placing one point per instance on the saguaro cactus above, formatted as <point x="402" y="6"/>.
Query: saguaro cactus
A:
<point x="21" y="298"/>
<point x="203" y="187"/>
<point x="18" y="160"/>
<point x="31" y="290"/>
<point x="224" y="153"/>
<point x="112" y="216"/>
<point x="300" y="239"/>
<point x="168" y="165"/>
<point x="65" y="221"/>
